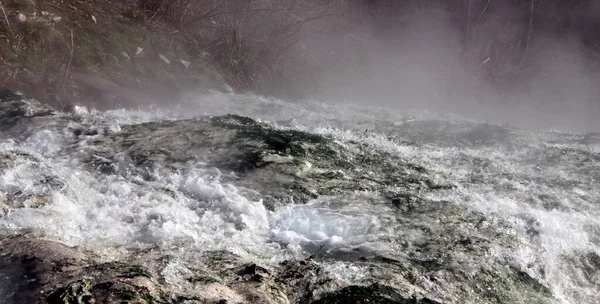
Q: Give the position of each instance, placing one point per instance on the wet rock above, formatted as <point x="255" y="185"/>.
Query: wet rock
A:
<point x="21" y="115"/>
<point x="32" y="267"/>
<point x="15" y="105"/>
<point x="32" y="193"/>
<point x="253" y="272"/>
<point x="285" y="165"/>
<point x="375" y="293"/>
<point x="40" y="271"/>
<point x="301" y="279"/>
<point x="440" y="252"/>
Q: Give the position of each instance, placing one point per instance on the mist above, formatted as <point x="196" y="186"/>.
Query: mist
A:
<point x="421" y="59"/>
<point x="525" y="63"/>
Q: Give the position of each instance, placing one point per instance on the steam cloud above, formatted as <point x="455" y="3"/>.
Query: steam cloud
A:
<point x="417" y="60"/>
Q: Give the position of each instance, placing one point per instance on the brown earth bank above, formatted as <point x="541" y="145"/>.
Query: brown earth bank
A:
<point x="102" y="53"/>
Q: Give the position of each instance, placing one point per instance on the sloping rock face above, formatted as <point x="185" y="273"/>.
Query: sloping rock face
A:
<point x="439" y="252"/>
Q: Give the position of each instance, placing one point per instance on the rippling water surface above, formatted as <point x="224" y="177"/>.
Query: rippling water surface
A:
<point x="544" y="183"/>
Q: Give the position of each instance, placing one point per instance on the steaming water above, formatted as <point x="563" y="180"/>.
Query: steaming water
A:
<point x="544" y="183"/>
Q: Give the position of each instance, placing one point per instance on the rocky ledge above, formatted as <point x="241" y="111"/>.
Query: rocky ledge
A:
<point x="444" y="253"/>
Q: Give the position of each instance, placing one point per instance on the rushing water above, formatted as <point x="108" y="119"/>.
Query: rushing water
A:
<point x="544" y="183"/>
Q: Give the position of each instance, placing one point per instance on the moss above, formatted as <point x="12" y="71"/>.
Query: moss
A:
<point x="506" y="285"/>
<point x="284" y="142"/>
<point x="153" y="299"/>
<point x="75" y="293"/>
<point x="124" y="270"/>
<point x="135" y="271"/>
<point x="235" y="121"/>
<point x="126" y="295"/>
<point x="86" y="292"/>
<point x="277" y="295"/>
<point x="203" y="280"/>
<point x="525" y="280"/>
<point x="373" y="294"/>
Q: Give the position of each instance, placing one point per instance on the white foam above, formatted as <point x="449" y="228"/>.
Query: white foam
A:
<point x="95" y="208"/>
<point x="195" y="210"/>
<point x="348" y="272"/>
<point x="349" y="224"/>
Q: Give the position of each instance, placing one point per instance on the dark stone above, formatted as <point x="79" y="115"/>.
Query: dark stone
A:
<point x="435" y="239"/>
<point x="372" y="294"/>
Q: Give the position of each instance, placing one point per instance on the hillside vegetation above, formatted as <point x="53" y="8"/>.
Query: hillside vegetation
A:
<point x="288" y="48"/>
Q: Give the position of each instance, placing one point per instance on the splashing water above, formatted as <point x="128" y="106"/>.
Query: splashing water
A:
<point x="543" y="183"/>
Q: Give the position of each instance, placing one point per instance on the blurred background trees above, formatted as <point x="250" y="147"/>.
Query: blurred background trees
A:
<point x="289" y="47"/>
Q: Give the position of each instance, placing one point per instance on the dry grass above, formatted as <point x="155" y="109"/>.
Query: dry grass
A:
<point x="253" y="44"/>
<point x="249" y="40"/>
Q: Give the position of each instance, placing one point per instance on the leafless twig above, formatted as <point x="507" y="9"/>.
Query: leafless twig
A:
<point x="482" y="12"/>
<point x="529" y="32"/>
<point x="71" y="53"/>
<point x="6" y="18"/>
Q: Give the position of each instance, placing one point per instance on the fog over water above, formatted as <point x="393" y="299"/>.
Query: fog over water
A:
<point x="419" y="59"/>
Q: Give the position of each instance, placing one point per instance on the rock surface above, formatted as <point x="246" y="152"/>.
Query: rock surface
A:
<point x="444" y="253"/>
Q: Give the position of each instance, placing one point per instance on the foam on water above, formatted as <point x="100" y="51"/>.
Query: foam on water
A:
<point x="108" y="209"/>
<point x="195" y="209"/>
<point x="517" y="191"/>
<point x="511" y="189"/>
<point x="349" y="224"/>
